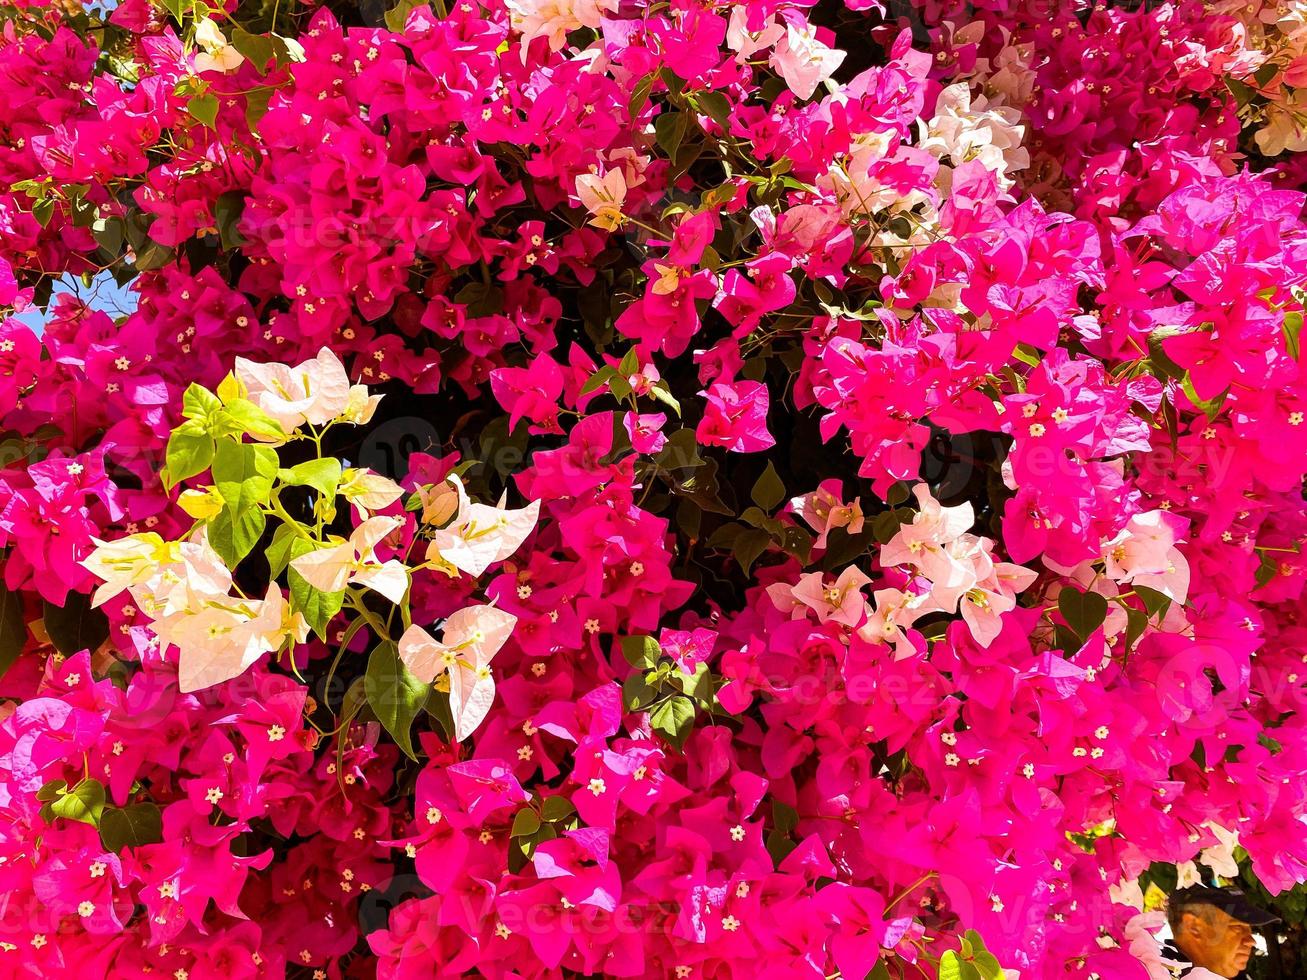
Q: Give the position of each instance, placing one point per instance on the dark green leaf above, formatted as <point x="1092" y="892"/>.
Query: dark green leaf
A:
<point x="227" y="211"/>
<point x="397" y="16"/>
<point x="640" y="97"/>
<point x="769" y="490"/>
<point x="131" y="826"/>
<point x="749" y="545"/>
<point x="394" y="694"/>
<point x="598" y="379"/>
<point x="669" y="131"/>
<point x="637" y="694"/>
<point x="318" y="607"/>
<point x="75" y="626"/>
<point x="556" y="808"/>
<point x="1084" y="612"/>
<point x="13" y="631"/>
<point x="525" y="823"/>
<point x="1157" y="603"/>
<point x="717" y="107"/>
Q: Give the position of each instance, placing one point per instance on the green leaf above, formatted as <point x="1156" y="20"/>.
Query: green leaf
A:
<point x="674" y="718"/>
<point x="43" y="211"/>
<point x="84" y="804"/>
<point x="769" y="490"/>
<point x="1292" y="330"/>
<point x="204" y="107"/>
<point x="1243" y="93"/>
<point x="1157" y="603"/>
<point x="258" y="49"/>
<point x="1269" y="743"/>
<point x="598" y="379"/>
<point x="1211" y="407"/>
<point x="669" y="131"/>
<point x="317" y="607"/>
<point x="13" y="631"/>
<point x="52" y="790"/>
<point x="749" y="545"/>
<point x="1161" y="362"/>
<point x="556" y="808"/>
<point x="75" y="626"/>
<point x="640" y="97"/>
<point x="198" y="402"/>
<point x="784" y="817"/>
<point x="397" y="16"/>
<point x="525" y="823"/>
<point x="660" y="393"/>
<point x="394" y="694"/>
<point x="637" y="694"/>
<point x="717" y="107"/>
<point x="131" y="826"/>
<point x="243" y="474"/>
<point x="242" y="416"/>
<point x="189" y="452"/>
<point x="323" y="475"/>
<point x="629" y="364"/>
<point x="285" y="547"/>
<point x="1136" y="623"/>
<point x="227" y="211"/>
<point x="641" y="652"/>
<point x="1084" y="612"/>
<point x="1265" y="73"/>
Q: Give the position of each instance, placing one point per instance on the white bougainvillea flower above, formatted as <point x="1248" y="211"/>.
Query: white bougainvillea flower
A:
<point x="127" y="562"/>
<point x="555" y="19"/>
<point x="368" y="491"/>
<point x="745" y="42"/>
<point x="481" y="535"/>
<point x="216" y="52"/>
<point x="315" y="391"/>
<point x="353" y="562"/>
<point x="360" y="406"/>
<point x="469" y="641"/>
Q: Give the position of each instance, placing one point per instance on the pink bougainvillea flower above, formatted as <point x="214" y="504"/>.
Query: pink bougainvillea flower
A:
<point x="736" y="417"/>
<point x="645" y="431"/>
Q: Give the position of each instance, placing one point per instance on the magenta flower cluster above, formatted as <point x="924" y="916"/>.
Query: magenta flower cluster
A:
<point x="915" y="417"/>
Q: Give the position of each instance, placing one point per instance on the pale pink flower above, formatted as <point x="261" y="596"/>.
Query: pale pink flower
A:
<point x="824" y="511"/>
<point x="603" y="197"/>
<point x="841" y="602"/>
<point x="803" y="61"/>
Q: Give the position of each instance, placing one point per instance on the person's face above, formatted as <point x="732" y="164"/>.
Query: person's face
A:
<point x="1221" y="944"/>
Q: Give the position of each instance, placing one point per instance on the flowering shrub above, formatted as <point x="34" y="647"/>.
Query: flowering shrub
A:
<point x="646" y="489"/>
